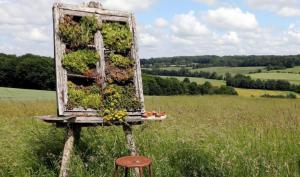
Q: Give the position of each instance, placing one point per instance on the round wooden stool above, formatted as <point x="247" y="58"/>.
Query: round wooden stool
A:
<point x="139" y="162"/>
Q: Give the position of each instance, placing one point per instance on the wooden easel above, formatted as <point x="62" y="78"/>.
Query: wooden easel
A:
<point x="74" y="120"/>
<point x="74" y="125"/>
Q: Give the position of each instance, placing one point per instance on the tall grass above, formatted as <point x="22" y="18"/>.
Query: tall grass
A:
<point x="203" y="136"/>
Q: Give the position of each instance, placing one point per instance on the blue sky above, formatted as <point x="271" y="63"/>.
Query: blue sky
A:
<point x="170" y="27"/>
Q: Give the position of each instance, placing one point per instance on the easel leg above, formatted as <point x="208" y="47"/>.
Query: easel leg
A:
<point x="131" y="144"/>
<point x="72" y="135"/>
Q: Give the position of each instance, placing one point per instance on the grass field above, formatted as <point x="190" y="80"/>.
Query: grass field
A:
<point x="199" y="80"/>
<point x="212" y="136"/>
<point x="292" y="78"/>
<point x="241" y="92"/>
<point x="221" y="70"/>
<point x="295" y="70"/>
<point x="232" y="70"/>
<point x="25" y="94"/>
<point x="258" y="93"/>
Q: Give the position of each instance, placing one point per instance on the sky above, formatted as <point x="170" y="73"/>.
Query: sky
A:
<point x="169" y="27"/>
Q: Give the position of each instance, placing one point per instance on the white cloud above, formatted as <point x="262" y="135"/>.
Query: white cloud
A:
<point x="128" y="5"/>
<point x="231" y="38"/>
<point x="147" y="39"/>
<point x="33" y="34"/>
<point x="231" y="18"/>
<point x="179" y="40"/>
<point x="26" y="25"/>
<point x="188" y="25"/>
<point x="209" y="2"/>
<point x="160" y="23"/>
<point x="293" y="34"/>
<point x="281" y="7"/>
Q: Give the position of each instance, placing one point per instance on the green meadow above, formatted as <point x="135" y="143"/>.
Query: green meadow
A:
<point x="291" y="77"/>
<point x="202" y="136"/>
<point x="221" y="70"/>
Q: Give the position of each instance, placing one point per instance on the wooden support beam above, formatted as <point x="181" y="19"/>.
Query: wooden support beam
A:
<point x="73" y="136"/>
<point x="131" y="144"/>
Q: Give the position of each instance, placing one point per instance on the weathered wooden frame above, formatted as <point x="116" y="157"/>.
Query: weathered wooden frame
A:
<point x="59" y="10"/>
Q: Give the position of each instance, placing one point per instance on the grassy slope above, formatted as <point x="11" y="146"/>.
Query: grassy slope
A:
<point x="25" y="94"/>
<point x="203" y="136"/>
<point x="258" y="93"/>
<point x="241" y="92"/>
<point x="200" y="80"/>
<point x="295" y="70"/>
<point x="232" y="70"/>
<point x="221" y="70"/>
<point x="293" y="78"/>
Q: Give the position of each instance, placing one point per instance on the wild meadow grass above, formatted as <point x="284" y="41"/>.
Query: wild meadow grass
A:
<point x="203" y="136"/>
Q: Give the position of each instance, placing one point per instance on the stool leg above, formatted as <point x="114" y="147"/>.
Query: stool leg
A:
<point x="150" y="171"/>
<point x="126" y="172"/>
<point x="141" y="172"/>
<point x="116" y="171"/>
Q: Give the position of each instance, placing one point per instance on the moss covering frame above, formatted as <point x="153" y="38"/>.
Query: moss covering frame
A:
<point x="59" y="11"/>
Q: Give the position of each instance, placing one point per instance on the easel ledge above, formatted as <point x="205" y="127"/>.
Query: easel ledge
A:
<point x="62" y="121"/>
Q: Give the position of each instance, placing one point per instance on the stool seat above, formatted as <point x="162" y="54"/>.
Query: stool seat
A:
<point x="133" y="161"/>
<point x="137" y="162"/>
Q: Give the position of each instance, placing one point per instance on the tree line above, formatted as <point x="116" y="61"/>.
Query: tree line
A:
<point x="172" y="86"/>
<point x="231" y="61"/>
<point x="242" y="81"/>
<point x="27" y="71"/>
<point x="37" y="72"/>
<point x="183" y="72"/>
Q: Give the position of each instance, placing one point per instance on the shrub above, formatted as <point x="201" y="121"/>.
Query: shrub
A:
<point x="289" y="96"/>
<point x="78" y="34"/>
<point x="226" y="90"/>
<point x="80" y="61"/>
<point x="117" y="37"/>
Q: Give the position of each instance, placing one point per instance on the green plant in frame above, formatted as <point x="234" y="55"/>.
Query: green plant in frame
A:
<point x="118" y="75"/>
<point x="78" y="34"/>
<point x="80" y="61"/>
<point x="120" y="61"/>
<point x="117" y="37"/>
<point x="117" y="100"/>
<point x="85" y="97"/>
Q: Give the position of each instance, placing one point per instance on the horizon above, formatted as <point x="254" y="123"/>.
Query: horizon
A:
<point x="166" y="56"/>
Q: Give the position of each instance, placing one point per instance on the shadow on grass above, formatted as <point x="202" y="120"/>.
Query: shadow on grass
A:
<point x="193" y="162"/>
<point x="45" y="151"/>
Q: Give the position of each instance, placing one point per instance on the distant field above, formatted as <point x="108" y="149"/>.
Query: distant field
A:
<point x="293" y="78"/>
<point x="232" y="70"/>
<point x="295" y="70"/>
<point x="174" y="68"/>
<point x="200" y="80"/>
<point x="241" y="92"/>
<point x="221" y="70"/>
<point x="258" y="93"/>
<point x="25" y="94"/>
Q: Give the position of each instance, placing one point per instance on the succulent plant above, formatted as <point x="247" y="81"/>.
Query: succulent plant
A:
<point x="80" y="61"/>
<point x="120" y="61"/>
<point x="118" y="75"/>
<point x="117" y="37"/>
<point x="78" y="34"/>
<point x="85" y="97"/>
